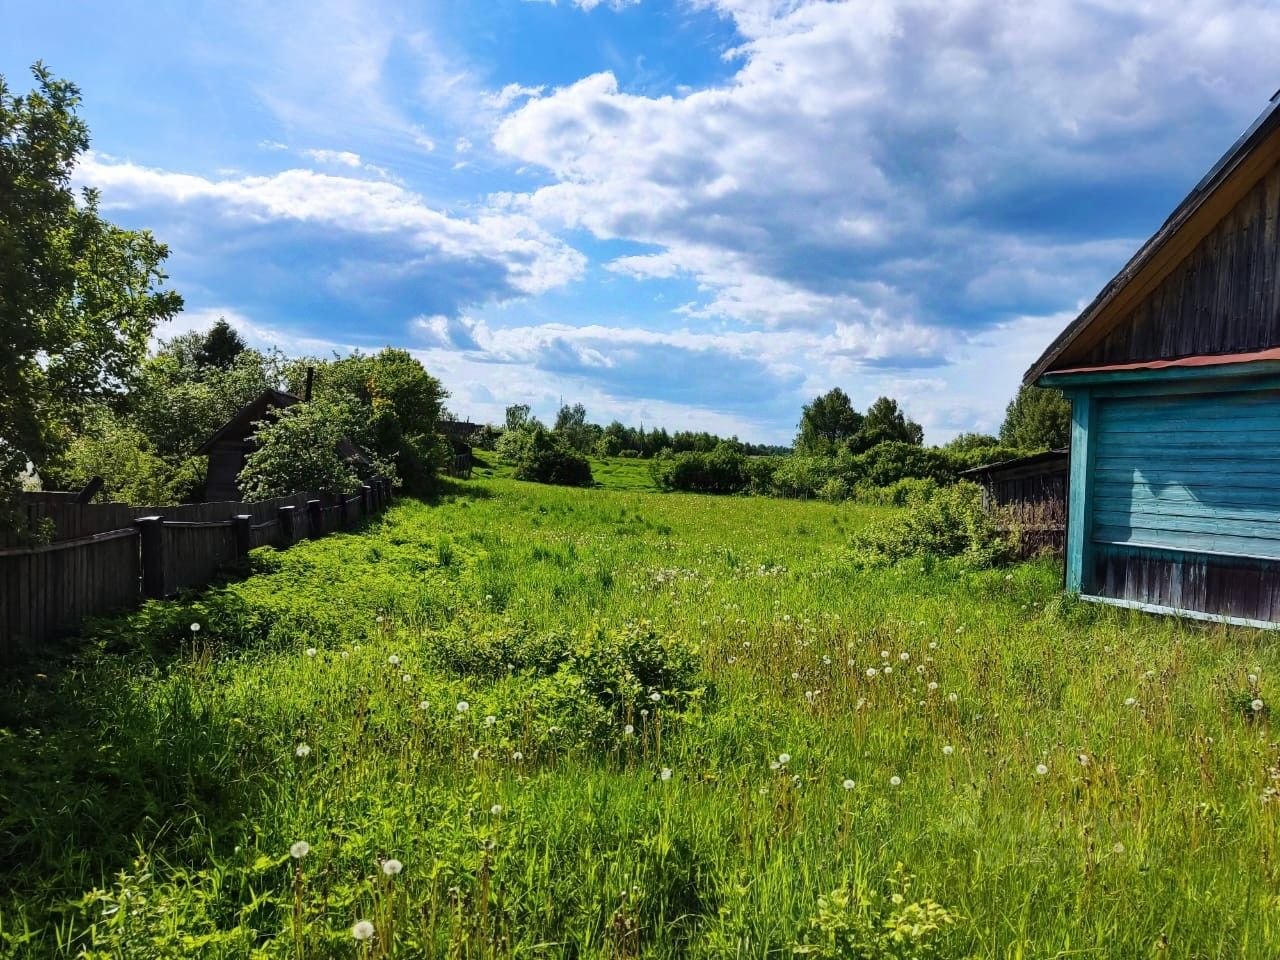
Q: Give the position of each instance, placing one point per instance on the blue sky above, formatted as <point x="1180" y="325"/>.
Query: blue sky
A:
<point x="699" y="213"/>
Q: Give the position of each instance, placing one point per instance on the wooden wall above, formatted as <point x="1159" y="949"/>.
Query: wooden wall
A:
<point x="1223" y="298"/>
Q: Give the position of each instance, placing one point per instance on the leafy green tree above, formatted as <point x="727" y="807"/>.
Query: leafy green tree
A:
<point x="1037" y="419"/>
<point x="966" y="442"/>
<point x="79" y="297"/>
<point x="886" y="422"/>
<point x="827" y="422"/>
<point x="544" y="457"/>
<point x="298" y="449"/>
<point x="572" y="427"/>
<point x="519" y="415"/>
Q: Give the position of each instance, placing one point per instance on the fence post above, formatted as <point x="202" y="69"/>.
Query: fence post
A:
<point x="285" y="516"/>
<point x="366" y="499"/>
<point x="342" y="509"/>
<point x="387" y="491"/>
<point x="315" y="518"/>
<point x="151" y="535"/>
<point x="241" y="524"/>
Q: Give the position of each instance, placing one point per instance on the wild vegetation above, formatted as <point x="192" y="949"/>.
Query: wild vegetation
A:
<point x="541" y="721"/>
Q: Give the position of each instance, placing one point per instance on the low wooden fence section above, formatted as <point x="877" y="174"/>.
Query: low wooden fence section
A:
<point x="107" y="557"/>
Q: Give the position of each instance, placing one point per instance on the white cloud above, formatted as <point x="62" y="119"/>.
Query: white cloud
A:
<point x="344" y="158"/>
<point x="530" y="259"/>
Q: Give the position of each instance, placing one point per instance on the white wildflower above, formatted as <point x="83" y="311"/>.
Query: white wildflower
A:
<point x="302" y="750"/>
<point x="392" y="867"/>
<point x="299" y="849"/>
<point x="362" y="930"/>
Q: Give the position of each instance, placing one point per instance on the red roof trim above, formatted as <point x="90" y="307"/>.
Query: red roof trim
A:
<point x="1204" y="360"/>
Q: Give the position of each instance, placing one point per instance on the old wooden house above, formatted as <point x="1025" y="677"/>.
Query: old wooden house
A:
<point x="228" y="447"/>
<point x="1029" y="493"/>
<point x="1173" y="372"/>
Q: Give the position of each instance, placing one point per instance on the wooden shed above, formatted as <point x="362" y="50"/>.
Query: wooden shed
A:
<point x="228" y="447"/>
<point x="1173" y="372"/>
<point x="1029" y="492"/>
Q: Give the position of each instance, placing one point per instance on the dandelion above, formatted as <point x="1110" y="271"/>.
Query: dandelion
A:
<point x="655" y="697"/>
<point x="784" y="758"/>
<point x="1253" y="679"/>
<point x="463" y="706"/>
<point x="665" y="774"/>
<point x="299" y="849"/>
<point x="884" y="654"/>
<point x="933" y="644"/>
<point x="517" y="755"/>
<point x="826" y="661"/>
<point x="732" y="660"/>
<point x="1083" y="759"/>
<point x="490" y="720"/>
<point x="1256" y="706"/>
<point x="872" y="672"/>
<point x="344" y="654"/>
<point x="795" y="675"/>
<point x="362" y="930"/>
<point x="195" y="628"/>
<point x="311" y="651"/>
<point x="1041" y="769"/>
<point x="406" y="678"/>
<point x="888" y="670"/>
<point x="1118" y="848"/>
<point x="392" y="867"/>
<point x="496" y="809"/>
<point x="628" y="729"/>
<point x="948" y="750"/>
<point x="424" y="704"/>
<point x="644" y="714"/>
<point x="393" y="660"/>
<point x="1130" y="701"/>
<point x="952" y="697"/>
<point x="302" y="750"/>
<point x="933" y="685"/>
<point x="475" y="754"/>
<point x="895" y="781"/>
<point x="904" y="656"/>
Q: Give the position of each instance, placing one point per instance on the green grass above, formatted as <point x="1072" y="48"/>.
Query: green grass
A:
<point x="150" y="790"/>
<point x="611" y="473"/>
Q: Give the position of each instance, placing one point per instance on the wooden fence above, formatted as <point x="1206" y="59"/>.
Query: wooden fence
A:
<point x="106" y="557"/>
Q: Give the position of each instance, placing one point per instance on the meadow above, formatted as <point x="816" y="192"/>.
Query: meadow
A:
<point x="610" y="723"/>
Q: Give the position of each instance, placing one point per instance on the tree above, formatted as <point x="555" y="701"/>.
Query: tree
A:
<point x="827" y="422"/>
<point x="885" y="422"/>
<point x="543" y="457"/>
<point x="297" y="449"/>
<point x="519" y="415"/>
<point x="1037" y="419"/>
<point x="79" y="297"/>
<point x="573" y="429"/>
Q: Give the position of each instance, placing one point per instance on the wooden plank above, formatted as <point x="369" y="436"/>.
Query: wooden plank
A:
<point x="1078" y="512"/>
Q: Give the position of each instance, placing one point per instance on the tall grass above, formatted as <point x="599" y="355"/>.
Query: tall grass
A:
<point x="1063" y="780"/>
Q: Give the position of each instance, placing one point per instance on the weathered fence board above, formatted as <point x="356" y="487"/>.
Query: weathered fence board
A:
<point x="47" y="590"/>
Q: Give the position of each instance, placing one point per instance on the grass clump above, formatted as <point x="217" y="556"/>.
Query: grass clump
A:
<point x="937" y="523"/>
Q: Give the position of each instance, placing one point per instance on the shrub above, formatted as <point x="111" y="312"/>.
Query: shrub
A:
<point x="888" y="462"/>
<point x="723" y="470"/>
<point x="835" y="490"/>
<point x="542" y="457"/>
<point x="897" y="494"/>
<point x="629" y="454"/>
<point x="298" y="449"/>
<point x="802" y="476"/>
<point x="949" y="522"/>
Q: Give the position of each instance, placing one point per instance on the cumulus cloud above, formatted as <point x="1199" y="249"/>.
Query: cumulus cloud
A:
<point x="920" y="163"/>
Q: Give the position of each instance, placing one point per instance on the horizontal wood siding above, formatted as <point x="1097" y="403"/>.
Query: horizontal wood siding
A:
<point x="1223" y="298"/>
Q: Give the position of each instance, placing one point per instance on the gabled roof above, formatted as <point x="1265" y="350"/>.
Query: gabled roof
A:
<point x="1047" y="460"/>
<point x="1238" y="170"/>
<point x="241" y="425"/>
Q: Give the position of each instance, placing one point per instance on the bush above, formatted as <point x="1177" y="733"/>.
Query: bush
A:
<point x="542" y="457"/>
<point x="802" y="476"/>
<point x="723" y="470"/>
<point x="856" y="923"/>
<point x="897" y="494"/>
<point x="949" y="522"/>
<point x="298" y="449"/>
<point x="888" y="462"/>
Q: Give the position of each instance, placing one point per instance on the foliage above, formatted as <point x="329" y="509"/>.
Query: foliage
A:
<point x="543" y="458"/>
<point x="896" y="460"/>
<point x="112" y="447"/>
<point x="885" y="422"/>
<point x="826" y="423"/>
<point x="723" y="470"/>
<point x="854" y="923"/>
<point x="152" y="786"/>
<point x="573" y="430"/>
<point x="298" y="448"/>
<point x="79" y="297"/>
<point x="1038" y="418"/>
<point x="899" y="493"/>
<point x="943" y="523"/>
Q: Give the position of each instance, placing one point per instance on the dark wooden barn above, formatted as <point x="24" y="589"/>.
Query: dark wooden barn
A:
<point x="1173" y="372"/>
<point x="228" y="447"/>
<point x="1029" y="493"/>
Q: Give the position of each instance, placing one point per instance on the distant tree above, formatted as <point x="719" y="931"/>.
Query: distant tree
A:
<point x="79" y="297"/>
<point x="519" y="415"/>
<point x="885" y="422"/>
<point x="827" y="422"/>
<point x="1037" y="419"/>
<point x="966" y="442"/>
<point x="572" y="427"/>
<point x="222" y="344"/>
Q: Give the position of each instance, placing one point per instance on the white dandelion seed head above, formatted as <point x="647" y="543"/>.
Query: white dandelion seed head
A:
<point x="344" y="654"/>
<point x="302" y="750"/>
<point x="393" y="660"/>
<point x="1083" y="759"/>
<point x="1041" y="769"/>
<point x="1118" y="848"/>
<point x="848" y="784"/>
<point x="463" y="706"/>
<point x="496" y="809"/>
<point x="629" y="729"/>
<point x="644" y="713"/>
<point x="1256" y="706"/>
<point x="362" y="930"/>
<point x="953" y="697"/>
<point x="392" y="867"/>
<point x="1130" y="701"/>
<point x="884" y="654"/>
<point x="904" y="656"/>
<point x="195" y="628"/>
<point x="784" y="758"/>
<point x="517" y="755"/>
<point x="774" y="765"/>
<point x="872" y="672"/>
<point x="948" y="750"/>
<point x="795" y="675"/>
<point x="888" y="670"/>
<point x="475" y="754"/>
<point x="406" y="678"/>
<point x="933" y="644"/>
<point x="666" y="773"/>
<point x="933" y="685"/>
<point x="424" y="704"/>
<point x="655" y="697"/>
<point x="895" y="781"/>
<point x="299" y="849"/>
<point x="490" y="720"/>
<point x="311" y="651"/>
<point x="1253" y="678"/>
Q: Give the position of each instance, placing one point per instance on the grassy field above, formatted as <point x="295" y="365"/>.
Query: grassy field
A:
<point x="610" y="473"/>
<point x="605" y="723"/>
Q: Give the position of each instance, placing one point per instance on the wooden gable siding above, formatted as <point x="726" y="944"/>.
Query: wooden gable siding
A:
<point x="1224" y="297"/>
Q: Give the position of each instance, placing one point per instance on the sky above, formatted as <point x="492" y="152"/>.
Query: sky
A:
<point x="698" y="214"/>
